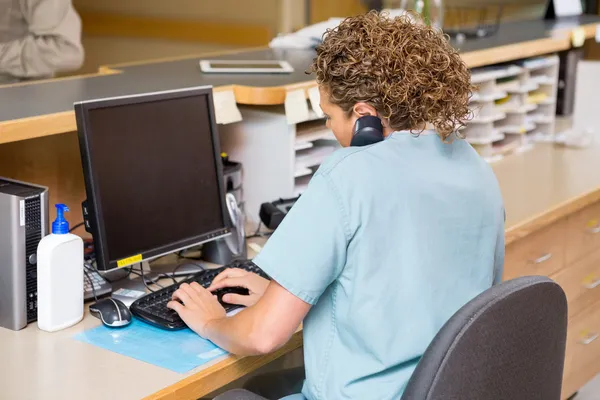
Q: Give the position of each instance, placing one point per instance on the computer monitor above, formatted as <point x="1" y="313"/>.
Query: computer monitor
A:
<point x="153" y="174"/>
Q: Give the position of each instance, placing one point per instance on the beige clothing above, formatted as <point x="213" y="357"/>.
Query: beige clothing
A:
<point x="38" y="38"/>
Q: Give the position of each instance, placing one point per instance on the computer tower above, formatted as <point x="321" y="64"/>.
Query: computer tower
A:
<point x="225" y="250"/>
<point x="232" y="180"/>
<point x="23" y="223"/>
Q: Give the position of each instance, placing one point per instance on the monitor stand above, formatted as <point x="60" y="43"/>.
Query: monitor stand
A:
<point x="176" y="269"/>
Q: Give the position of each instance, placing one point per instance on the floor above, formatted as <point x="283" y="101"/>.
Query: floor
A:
<point x="591" y="391"/>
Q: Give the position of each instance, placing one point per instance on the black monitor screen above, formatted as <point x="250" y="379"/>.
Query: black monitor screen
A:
<point x="156" y="180"/>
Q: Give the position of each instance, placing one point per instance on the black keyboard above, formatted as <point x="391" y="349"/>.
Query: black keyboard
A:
<point x="152" y="308"/>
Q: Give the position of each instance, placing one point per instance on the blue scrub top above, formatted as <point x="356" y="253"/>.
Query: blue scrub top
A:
<point x="387" y="243"/>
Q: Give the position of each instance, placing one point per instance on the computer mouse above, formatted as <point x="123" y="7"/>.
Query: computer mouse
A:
<point x="112" y="312"/>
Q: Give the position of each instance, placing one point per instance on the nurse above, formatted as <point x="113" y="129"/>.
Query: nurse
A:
<point x="390" y="238"/>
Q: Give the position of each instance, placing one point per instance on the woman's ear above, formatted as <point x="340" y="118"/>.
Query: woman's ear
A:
<point x="363" y="109"/>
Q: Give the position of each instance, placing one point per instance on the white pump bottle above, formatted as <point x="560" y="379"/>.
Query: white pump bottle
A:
<point x="60" y="276"/>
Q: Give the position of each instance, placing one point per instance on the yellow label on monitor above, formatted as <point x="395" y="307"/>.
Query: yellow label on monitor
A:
<point x="129" y="260"/>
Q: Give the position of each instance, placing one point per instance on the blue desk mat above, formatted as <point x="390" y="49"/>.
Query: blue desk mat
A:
<point x="179" y="351"/>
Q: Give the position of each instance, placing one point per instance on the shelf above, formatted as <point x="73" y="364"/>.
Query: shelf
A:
<point x="510" y="109"/>
<point x="303" y="146"/>
<point x="485" y="74"/>
<point x="496" y="136"/>
<point x="548" y="102"/>
<point x="509" y="86"/>
<point x="539" y="118"/>
<point x="538" y="63"/>
<point x="525" y="88"/>
<point x="313" y="156"/>
<point x="488" y="119"/>
<point x="517" y="129"/>
<point x="300" y="172"/>
<point x="538" y="98"/>
<point x="310" y="133"/>
<point x="300" y="185"/>
<point x="507" y="148"/>
<point x="543" y="80"/>
<point x="489" y="97"/>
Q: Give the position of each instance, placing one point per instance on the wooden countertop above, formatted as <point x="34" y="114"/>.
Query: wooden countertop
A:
<point x="54" y="366"/>
<point x="539" y="186"/>
<point x="31" y="110"/>
<point x="545" y="184"/>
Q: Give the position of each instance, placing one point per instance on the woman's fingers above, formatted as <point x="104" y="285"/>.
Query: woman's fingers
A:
<point x="182" y="296"/>
<point x="186" y="294"/>
<point x="239" y="299"/>
<point x="229" y="273"/>
<point x="241" y="281"/>
<point x="199" y="290"/>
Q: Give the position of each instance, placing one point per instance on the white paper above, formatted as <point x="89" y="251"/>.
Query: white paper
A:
<point x="255" y="246"/>
<point x="567" y="8"/>
<point x="578" y="37"/>
<point x="597" y="33"/>
<point x="226" y="110"/>
<point x="296" y="107"/>
<point x="315" y="100"/>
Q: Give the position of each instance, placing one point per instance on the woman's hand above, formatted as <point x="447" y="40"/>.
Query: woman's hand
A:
<point x="196" y="306"/>
<point x="233" y="277"/>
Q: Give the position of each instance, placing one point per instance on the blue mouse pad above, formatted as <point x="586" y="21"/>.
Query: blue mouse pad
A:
<point x="179" y="351"/>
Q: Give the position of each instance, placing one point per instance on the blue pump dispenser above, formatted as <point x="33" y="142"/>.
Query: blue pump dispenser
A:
<point x="60" y="226"/>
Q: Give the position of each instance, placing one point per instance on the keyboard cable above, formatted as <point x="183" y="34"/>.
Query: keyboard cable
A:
<point x="89" y="278"/>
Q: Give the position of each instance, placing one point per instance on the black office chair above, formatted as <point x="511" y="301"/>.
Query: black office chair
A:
<point x="239" y="394"/>
<point x="507" y="343"/>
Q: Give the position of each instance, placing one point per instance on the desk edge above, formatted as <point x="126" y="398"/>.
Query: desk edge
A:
<point x="562" y="210"/>
<point x="215" y="377"/>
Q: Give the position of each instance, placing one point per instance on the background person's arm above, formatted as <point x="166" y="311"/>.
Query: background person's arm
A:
<point x="53" y="43"/>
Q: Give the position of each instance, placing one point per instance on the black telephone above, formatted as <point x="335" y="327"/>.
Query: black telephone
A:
<point x="271" y="214"/>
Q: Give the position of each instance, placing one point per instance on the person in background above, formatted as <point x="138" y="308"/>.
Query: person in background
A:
<point x="38" y="38"/>
<point x="388" y="241"/>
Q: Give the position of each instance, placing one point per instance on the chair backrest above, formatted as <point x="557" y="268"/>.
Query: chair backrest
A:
<point x="507" y="343"/>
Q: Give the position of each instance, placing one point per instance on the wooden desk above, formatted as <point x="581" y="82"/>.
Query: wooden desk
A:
<point x="540" y="188"/>
<point x="53" y="366"/>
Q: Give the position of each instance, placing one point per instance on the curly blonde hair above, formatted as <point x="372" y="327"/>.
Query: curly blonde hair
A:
<point x="407" y="71"/>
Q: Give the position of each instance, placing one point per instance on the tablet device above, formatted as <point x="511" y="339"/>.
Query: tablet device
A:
<point x="246" y="66"/>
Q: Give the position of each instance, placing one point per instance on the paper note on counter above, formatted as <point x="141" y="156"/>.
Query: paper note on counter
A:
<point x="226" y="110"/>
<point x="578" y="37"/>
<point x="315" y="100"/>
<point x="296" y="107"/>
